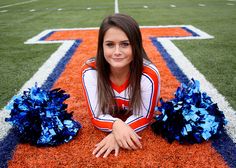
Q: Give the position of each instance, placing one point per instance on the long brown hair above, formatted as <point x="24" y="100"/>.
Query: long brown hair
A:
<point x="106" y="100"/>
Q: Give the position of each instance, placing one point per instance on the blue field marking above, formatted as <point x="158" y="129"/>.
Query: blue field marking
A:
<point x="175" y="70"/>
<point x="223" y="143"/>
<point x="60" y="66"/>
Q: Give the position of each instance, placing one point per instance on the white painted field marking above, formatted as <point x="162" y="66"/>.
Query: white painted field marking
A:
<point x="116" y="6"/>
<point x="41" y="75"/>
<point x="184" y="64"/>
<point x="202" y="5"/>
<point x="20" y="3"/>
<point x="3" y="11"/>
<point x="191" y="72"/>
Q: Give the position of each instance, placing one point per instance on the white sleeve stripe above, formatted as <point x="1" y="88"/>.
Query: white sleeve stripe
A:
<point x="136" y="119"/>
<point x="159" y="88"/>
<point x="103" y="129"/>
<point x="87" y="96"/>
<point x="151" y="96"/>
<point x="87" y="69"/>
<point x="108" y="120"/>
<point x="141" y="128"/>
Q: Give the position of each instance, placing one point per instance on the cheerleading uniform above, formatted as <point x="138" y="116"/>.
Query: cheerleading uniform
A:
<point x="150" y="91"/>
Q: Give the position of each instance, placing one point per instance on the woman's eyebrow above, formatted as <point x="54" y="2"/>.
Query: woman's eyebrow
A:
<point x="125" y="41"/>
<point x="106" y="41"/>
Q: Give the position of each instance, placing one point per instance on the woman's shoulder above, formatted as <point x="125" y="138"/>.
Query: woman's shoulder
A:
<point x="89" y="64"/>
<point x="149" y="68"/>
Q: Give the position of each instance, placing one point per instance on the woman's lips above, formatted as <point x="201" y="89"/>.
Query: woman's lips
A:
<point x="117" y="59"/>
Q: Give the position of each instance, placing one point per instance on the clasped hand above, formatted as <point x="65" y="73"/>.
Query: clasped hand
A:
<point x="122" y="136"/>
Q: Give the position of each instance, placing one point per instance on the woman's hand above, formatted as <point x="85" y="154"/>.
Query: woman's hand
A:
<point x="106" y="146"/>
<point x="125" y="135"/>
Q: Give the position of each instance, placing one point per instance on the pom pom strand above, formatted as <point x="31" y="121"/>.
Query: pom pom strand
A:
<point x="190" y="116"/>
<point x="40" y="117"/>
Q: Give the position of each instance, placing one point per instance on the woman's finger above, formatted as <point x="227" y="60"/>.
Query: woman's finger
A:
<point x="107" y="152"/>
<point x="98" y="147"/>
<point x="120" y="143"/>
<point x="136" y="140"/>
<point x="125" y="145"/>
<point x="96" y="150"/>
<point x="131" y="144"/>
<point x="101" y="151"/>
<point x="139" y="137"/>
<point x="117" y="151"/>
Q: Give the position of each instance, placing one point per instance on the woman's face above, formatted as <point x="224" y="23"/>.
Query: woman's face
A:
<point x="117" y="49"/>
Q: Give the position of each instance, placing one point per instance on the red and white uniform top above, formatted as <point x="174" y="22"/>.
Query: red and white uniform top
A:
<point x="150" y="92"/>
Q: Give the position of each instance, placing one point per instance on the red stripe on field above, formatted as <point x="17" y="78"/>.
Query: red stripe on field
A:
<point x="156" y="151"/>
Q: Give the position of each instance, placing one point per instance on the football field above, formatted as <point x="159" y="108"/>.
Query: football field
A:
<point x="196" y="37"/>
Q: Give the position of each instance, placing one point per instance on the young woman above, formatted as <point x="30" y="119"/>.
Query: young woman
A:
<point x="121" y="85"/>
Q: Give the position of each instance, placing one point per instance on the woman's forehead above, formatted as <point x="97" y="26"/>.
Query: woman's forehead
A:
<point x="115" y="34"/>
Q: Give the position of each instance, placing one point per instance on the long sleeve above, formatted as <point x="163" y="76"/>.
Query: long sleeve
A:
<point x="150" y="92"/>
<point x="103" y="122"/>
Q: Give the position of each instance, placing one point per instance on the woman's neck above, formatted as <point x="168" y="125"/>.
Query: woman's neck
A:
<point x="119" y="76"/>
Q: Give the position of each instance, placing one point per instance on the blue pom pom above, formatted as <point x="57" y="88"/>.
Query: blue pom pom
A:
<point x="40" y="117"/>
<point x="190" y="117"/>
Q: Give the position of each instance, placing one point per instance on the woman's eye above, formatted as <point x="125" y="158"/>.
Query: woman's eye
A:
<point x="124" y="45"/>
<point x="109" y="45"/>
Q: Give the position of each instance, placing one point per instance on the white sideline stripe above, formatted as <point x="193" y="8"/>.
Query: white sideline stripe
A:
<point x="47" y="68"/>
<point x="184" y="64"/>
<point x="3" y="11"/>
<point x="20" y="3"/>
<point x="116" y="6"/>
<point x="190" y="71"/>
<point x="40" y="77"/>
<point x="4" y="126"/>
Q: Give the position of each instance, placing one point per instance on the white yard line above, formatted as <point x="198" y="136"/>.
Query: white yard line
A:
<point x="116" y="6"/>
<point x="20" y="3"/>
<point x="191" y="72"/>
<point x="40" y="76"/>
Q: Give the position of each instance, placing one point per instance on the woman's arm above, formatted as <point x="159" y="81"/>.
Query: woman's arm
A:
<point x="104" y="122"/>
<point x="150" y="92"/>
<point x="125" y="132"/>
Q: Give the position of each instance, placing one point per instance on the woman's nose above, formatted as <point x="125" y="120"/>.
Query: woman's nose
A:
<point x="117" y="50"/>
